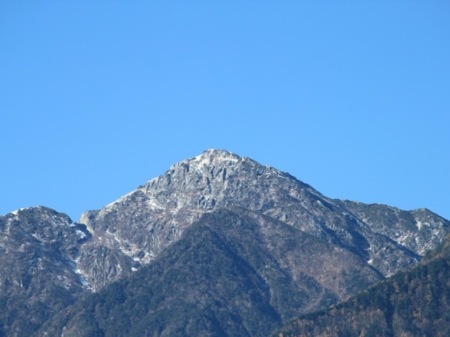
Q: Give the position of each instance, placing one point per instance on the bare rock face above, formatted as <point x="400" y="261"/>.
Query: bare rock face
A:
<point x="141" y="224"/>
<point x="38" y="252"/>
<point x="234" y="273"/>
<point x="412" y="303"/>
<point x="326" y="249"/>
<point x="419" y="230"/>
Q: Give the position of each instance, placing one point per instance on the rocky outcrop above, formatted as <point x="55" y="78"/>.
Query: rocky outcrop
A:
<point x="234" y="273"/>
<point x="139" y="226"/>
<point x="49" y="262"/>
<point x="38" y="256"/>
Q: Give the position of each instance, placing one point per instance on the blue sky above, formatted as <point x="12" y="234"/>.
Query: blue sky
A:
<point x="351" y="97"/>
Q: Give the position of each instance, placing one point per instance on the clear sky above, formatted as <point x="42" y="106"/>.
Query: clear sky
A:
<point x="97" y="97"/>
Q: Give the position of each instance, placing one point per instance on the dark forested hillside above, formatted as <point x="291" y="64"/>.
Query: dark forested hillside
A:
<point x="415" y="303"/>
<point x="234" y="273"/>
<point x="218" y="245"/>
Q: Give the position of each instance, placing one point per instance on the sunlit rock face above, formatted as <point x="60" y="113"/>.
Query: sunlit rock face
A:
<point x="133" y="230"/>
<point x="322" y="249"/>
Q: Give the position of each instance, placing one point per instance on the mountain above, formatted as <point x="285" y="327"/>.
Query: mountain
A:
<point x="136" y="228"/>
<point x="405" y="227"/>
<point x="38" y="250"/>
<point x="217" y="229"/>
<point x="233" y="273"/>
<point x="412" y="303"/>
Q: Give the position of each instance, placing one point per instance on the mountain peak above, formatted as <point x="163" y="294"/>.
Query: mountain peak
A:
<point x="213" y="161"/>
<point x="220" y="221"/>
<point x="36" y="210"/>
<point x="142" y="223"/>
<point x="212" y="157"/>
<point x="218" y="153"/>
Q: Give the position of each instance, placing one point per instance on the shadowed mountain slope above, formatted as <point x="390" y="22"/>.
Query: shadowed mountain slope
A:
<point x="413" y="303"/>
<point x="233" y="273"/>
<point x="321" y="250"/>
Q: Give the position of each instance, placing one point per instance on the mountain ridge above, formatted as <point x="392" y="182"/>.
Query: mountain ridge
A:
<point x="145" y="221"/>
<point x="134" y="232"/>
<point x="411" y="303"/>
<point x="227" y="262"/>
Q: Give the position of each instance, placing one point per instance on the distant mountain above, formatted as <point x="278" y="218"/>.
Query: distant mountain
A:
<point x="418" y="230"/>
<point x="136" y="228"/>
<point x="38" y="277"/>
<point x="413" y="303"/>
<point x="233" y="273"/>
<point x="214" y="233"/>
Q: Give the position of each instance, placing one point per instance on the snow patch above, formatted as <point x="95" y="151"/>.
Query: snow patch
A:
<point x="82" y="276"/>
<point x="403" y="239"/>
<point x="16" y="212"/>
<point x="209" y="155"/>
<point x="80" y="234"/>
<point x="37" y="237"/>
<point x="112" y="204"/>
<point x="153" y="203"/>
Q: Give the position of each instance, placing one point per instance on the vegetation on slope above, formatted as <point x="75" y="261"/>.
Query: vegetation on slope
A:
<point x="409" y="304"/>
<point x="234" y="273"/>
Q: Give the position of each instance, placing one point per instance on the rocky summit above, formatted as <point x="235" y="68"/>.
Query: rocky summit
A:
<point x="213" y="235"/>
<point x="138" y="226"/>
